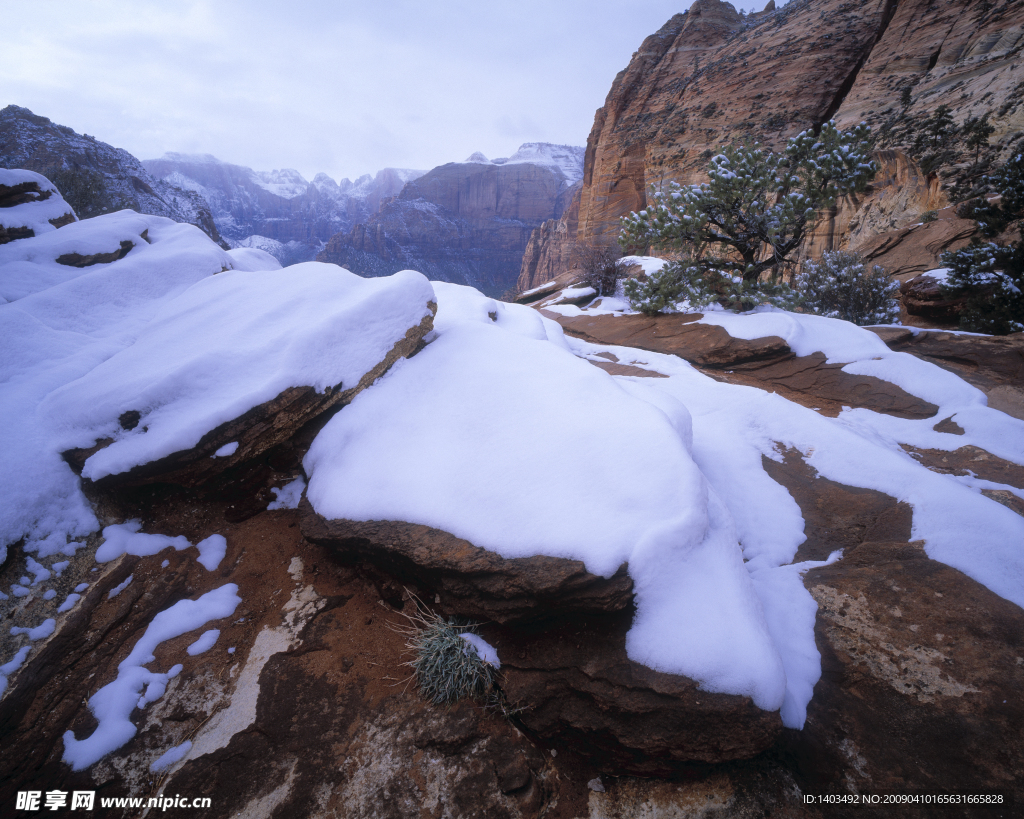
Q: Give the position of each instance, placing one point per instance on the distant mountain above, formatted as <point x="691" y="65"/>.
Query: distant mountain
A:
<point x="465" y="222"/>
<point x="278" y="211"/>
<point x="94" y="177"/>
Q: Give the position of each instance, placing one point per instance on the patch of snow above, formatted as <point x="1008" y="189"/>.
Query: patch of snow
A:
<point x="253" y="258"/>
<point x="204" y="643"/>
<point x="64" y="323"/>
<point x="113" y="704"/>
<point x="170" y="757"/>
<point x="49" y="594"/>
<point x="81" y="587"/>
<point x="125" y="538"/>
<point x="484" y="650"/>
<point x="60" y="566"/>
<point x="288" y="496"/>
<point x="488" y="402"/>
<point x="120" y="587"/>
<point x="228" y="344"/>
<point x="35" y="215"/>
<point x="11" y="666"/>
<point x="44" y="629"/>
<point x="226" y="450"/>
<point x="69" y="603"/>
<point x="212" y="551"/>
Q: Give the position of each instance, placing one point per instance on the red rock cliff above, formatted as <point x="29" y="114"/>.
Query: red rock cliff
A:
<point x="710" y="76"/>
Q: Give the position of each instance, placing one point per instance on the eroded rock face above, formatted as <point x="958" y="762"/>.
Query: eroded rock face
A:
<point x="303" y="716"/>
<point x="709" y="77"/>
<point x="579" y="689"/>
<point x="473" y="582"/>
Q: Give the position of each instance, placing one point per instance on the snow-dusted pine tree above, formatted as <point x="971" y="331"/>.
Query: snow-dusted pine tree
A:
<point x="750" y="218"/>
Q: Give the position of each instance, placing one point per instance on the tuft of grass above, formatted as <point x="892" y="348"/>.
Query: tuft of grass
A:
<point x="446" y="667"/>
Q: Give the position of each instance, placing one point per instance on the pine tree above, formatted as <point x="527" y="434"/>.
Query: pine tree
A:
<point x="751" y="217"/>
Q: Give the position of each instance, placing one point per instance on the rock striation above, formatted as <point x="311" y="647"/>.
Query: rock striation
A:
<point x="94" y="177"/>
<point x="464" y="222"/>
<point x="711" y="76"/>
<point x="278" y="211"/>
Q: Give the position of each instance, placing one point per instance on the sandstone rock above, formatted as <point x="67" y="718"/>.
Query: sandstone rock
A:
<point x="708" y="78"/>
<point x="304" y="717"/>
<point x="471" y="581"/>
<point x="256" y="431"/>
<point x="701" y="344"/>
<point x="993" y="364"/>
<point x="767" y="363"/>
<point x="578" y="688"/>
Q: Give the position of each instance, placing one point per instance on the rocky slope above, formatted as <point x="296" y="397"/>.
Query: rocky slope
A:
<point x="278" y="211"/>
<point x="609" y="497"/>
<point x="465" y="222"/>
<point x="94" y="177"/>
<point x="710" y="76"/>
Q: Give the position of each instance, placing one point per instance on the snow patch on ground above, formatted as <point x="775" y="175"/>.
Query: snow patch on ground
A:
<point x="113" y="704"/>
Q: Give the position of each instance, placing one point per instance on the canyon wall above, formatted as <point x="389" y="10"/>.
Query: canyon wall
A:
<point x="712" y="76"/>
<point x="465" y="222"/>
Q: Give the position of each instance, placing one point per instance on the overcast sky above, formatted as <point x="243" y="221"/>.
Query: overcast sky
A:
<point x="323" y="85"/>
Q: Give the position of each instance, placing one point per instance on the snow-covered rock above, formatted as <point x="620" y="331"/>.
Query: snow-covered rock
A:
<point x="30" y="205"/>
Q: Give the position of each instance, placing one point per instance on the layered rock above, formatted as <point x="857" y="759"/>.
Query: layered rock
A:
<point x="94" y="177"/>
<point x="467" y="223"/>
<point x="475" y="582"/>
<point x="30" y="204"/>
<point x="278" y="211"/>
<point x="710" y="77"/>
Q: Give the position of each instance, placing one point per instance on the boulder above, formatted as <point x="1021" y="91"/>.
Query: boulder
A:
<point x="256" y="431"/>
<point x="471" y="581"/>
<point x="578" y="689"/>
<point x="30" y="205"/>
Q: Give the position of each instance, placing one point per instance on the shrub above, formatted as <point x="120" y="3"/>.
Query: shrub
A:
<point x="445" y="666"/>
<point x="686" y="285"/>
<point x="839" y="286"/>
<point x="600" y="266"/>
<point x="757" y="208"/>
<point x="991" y="277"/>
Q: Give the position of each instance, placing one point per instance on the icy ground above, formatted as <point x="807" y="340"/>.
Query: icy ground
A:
<point x="499" y="431"/>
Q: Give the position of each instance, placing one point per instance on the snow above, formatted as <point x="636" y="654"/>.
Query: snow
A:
<point x="81" y="587"/>
<point x="253" y="258"/>
<point x="64" y="322"/>
<point x="69" y="603"/>
<point x="228" y="344"/>
<point x="44" y="629"/>
<point x="288" y="496"/>
<point x="212" y="551"/>
<point x="564" y="159"/>
<point x="125" y="538"/>
<point x="204" y="643"/>
<point x="484" y="650"/>
<point x="113" y="704"/>
<point x="11" y="666"/>
<point x="226" y="451"/>
<point x="36" y="214"/>
<point x="120" y="587"/>
<point x="493" y="403"/>
<point x="170" y="757"/>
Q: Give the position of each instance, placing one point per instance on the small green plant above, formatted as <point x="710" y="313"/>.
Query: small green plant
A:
<point x="929" y="216"/>
<point x="687" y="286"/>
<point x="446" y="666"/>
<point x="991" y="277"/>
<point x="839" y="286"/>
